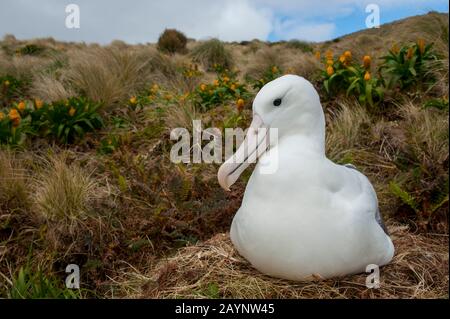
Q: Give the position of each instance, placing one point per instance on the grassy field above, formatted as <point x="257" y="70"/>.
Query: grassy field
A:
<point x="86" y="179"/>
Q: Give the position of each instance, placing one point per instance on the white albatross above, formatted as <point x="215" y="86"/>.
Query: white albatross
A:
<point x="311" y="217"/>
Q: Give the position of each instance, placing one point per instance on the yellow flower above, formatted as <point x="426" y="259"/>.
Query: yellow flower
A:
<point x="203" y="87"/>
<point x="216" y="82"/>
<point x="240" y="104"/>
<point x="348" y="55"/>
<point x="317" y="55"/>
<point x="6" y="83"/>
<point x="342" y="59"/>
<point x="329" y="55"/>
<point x="421" y="45"/>
<point x="366" y="61"/>
<point x="233" y="86"/>
<point x="2" y="116"/>
<point x="72" y="111"/>
<point x="330" y="62"/>
<point x="330" y="70"/>
<point x="410" y="53"/>
<point x="184" y="97"/>
<point x="367" y="76"/>
<point x="21" y="106"/>
<point x="38" y="103"/>
<point x="133" y="100"/>
<point x="226" y="79"/>
<point x="14" y="116"/>
<point x="274" y="69"/>
<point x="155" y="87"/>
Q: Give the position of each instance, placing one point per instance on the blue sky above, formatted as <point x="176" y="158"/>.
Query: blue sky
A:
<point x="356" y="21"/>
<point x="142" y="21"/>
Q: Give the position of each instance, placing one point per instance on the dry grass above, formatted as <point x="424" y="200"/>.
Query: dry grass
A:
<point x="347" y="130"/>
<point x="181" y="116"/>
<point x="264" y="59"/>
<point x="213" y="52"/>
<point x="426" y="132"/>
<point x="107" y="75"/>
<point x="13" y="182"/>
<point x="214" y="269"/>
<point x="64" y="192"/>
<point x="49" y="89"/>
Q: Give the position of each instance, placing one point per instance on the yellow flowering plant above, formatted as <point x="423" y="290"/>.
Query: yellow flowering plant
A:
<point x="224" y="88"/>
<point x="345" y="75"/>
<point x="271" y="73"/>
<point x="13" y="128"/>
<point x="71" y="119"/>
<point x="405" y="66"/>
<point x="10" y="89"/>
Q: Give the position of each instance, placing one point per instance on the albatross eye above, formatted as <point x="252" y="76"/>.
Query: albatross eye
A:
<point x="277" y="102"/>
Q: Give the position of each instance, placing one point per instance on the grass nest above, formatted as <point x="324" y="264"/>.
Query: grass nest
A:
<point x="213" y="269"/>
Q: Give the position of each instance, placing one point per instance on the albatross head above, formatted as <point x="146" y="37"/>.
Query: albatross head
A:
<point x="289" y="104"/>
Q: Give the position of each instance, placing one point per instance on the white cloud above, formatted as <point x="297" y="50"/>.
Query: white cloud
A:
<point x="292" y="29"/>
<point x="142" y="20"/>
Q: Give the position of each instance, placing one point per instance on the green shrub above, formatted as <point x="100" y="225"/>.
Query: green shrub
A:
<point x="344" y="75"/>
<point x="172" y="41"/>
<point x="30" y="49"/>
<point x="225" y="88"/>
<point x="407" y="66"/>
<point x="14" y="128"/>
<point x="71" y="119"/>
<point x="300" y="45"/>
<point x="29" y="284"/>
<point x="10" y="88"/>
<point x="271" y="73"/>
<point x="213" y="53"/>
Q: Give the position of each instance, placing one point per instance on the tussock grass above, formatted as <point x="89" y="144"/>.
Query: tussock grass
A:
<point x="49" y="89"/>
<point x="213" y="52"/>
<point x="181" y="115"/>
<point x="426" y="134"/>
<point x="106" y="75"/>
<point x="213" y="269"/>
<point x="347" y="129"/>
<point x="263" y="60"/>
<point x="164" y="71"/>
<point x="64" y="192"/>
<point x="14" y="179"/>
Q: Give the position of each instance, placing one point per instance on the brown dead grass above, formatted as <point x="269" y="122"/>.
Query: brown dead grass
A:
<point x="419" y="270"/>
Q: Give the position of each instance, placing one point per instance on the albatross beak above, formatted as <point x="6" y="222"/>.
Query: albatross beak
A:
<point x="253" y="146"/>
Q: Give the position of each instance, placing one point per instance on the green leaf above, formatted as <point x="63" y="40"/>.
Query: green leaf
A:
<point x="403" y="195"/>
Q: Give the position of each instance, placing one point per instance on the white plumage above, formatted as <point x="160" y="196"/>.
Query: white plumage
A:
<point x="311" y="217"/>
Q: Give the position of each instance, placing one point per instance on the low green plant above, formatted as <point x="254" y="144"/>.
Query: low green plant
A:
<point x="71" y="119"/>
<point x="300" y="45"/>
<point x="30" y="284"/>
<point x="14" y="128"/>
<point x="407" y="66"/>
<point x="271" y="73"/>
<point x="225" y="87"/>
<point x="345" y="75"/>
<point x="109" y="144"/>
<point x="10" y="88"/>
<point x="30" y="49"/>
<point x="438" y="103"/>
